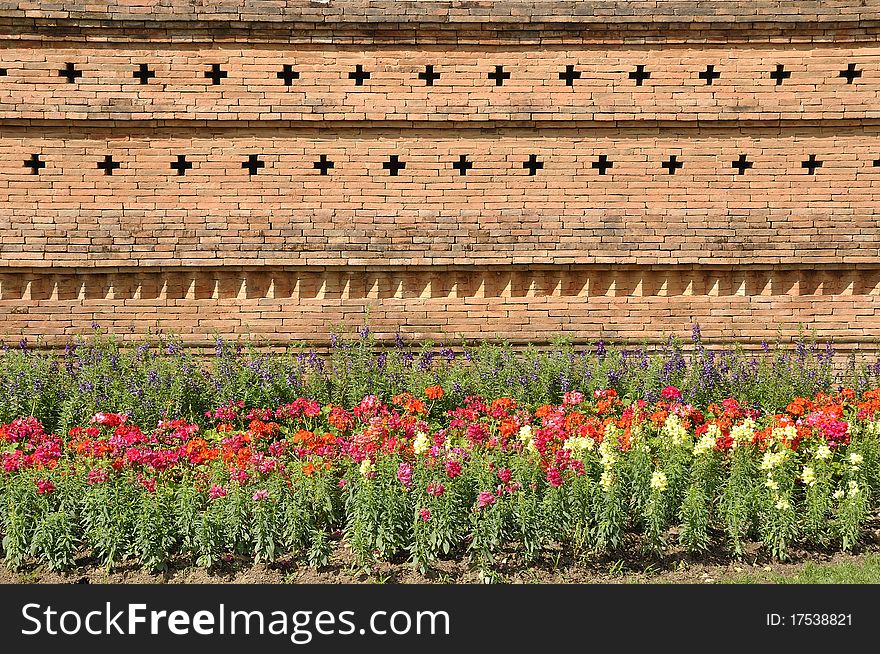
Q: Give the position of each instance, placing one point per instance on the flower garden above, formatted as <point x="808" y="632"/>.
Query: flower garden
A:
<point x="419" y="454"/>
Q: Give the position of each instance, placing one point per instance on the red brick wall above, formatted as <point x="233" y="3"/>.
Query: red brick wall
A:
<point x="287" y="253"/>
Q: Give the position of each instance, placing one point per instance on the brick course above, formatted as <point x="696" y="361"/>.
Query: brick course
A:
<point x="287" y="252"/>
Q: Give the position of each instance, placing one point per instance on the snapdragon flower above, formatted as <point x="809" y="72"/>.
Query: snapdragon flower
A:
<point x="659" y="482"/>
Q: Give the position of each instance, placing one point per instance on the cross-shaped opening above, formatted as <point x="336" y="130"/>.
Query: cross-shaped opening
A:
<point x="811" y="164"/>
<point x="253" y="164"/>
<point x="742" y="164"/>
<point x="570" y="75"/>
<point x="533" y="165"/>
<point x="323" y="164"/>
<point x="143" y="73"/>
<point x="429" y="76"/>
<point x="3" y="72"/>
<point x="288" y="74"/>
<point x="70" y="72"/>
<point x="672" y="164"/>
<point x="462" y="165"/>
<point x="359" y="75"/>
<point x="393" y="165"/>
<point x="34" y="164"/>
<point x="215" y="74"/>
<point x="639" y="75"/>
<point x="850" y="73"/>
<point x="780" y="74"/>
<point x="602" y="165"/>
<point x="108" y="165"/>
<point x="181" y="165"/>
<point x="499" y="75"/>
<point x="710" y="74"/>
<point x="877" y="163"/>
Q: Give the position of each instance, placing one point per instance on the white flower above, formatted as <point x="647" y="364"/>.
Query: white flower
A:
<point x="809" y="476"/>
<point x="659" y="481"/>
<point x="853" y="488"/>
<point x="606" y="480"/>
<point x="856" y="459"/>
<point x="823" y="452"/>
<point x="421" y="444"/>
<point x="771" y="483"/>
<point x="525" y="433"/>
<point x="366" y="467"/>
<point x="782" y="504"/>
<point x="838" y="494"/>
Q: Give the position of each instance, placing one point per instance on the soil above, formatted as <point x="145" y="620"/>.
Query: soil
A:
<point x="553" y="568"/>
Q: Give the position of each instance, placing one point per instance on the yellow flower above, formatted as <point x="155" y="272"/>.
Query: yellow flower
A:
<point x="421" y="444"/>
<point x="809" y="476"/>
<point x="367" y="467"/>
<point x="659" y="481"/>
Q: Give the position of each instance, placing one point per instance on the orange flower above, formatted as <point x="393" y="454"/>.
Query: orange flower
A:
<point x="434" y="392"/>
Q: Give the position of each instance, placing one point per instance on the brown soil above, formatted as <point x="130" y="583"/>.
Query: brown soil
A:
<point x="553" y="567"/>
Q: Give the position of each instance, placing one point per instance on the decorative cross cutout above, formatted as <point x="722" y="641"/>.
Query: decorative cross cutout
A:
<point x="780" y="74"/>
<point x="3" y="72"/>
<point x="181" y="165"/>
<point x="215" y="74"/>
<point x="850" y="73"/>
<point x="288" y="74"/>
<point x="429" y="76"/>
<point x="70" y="72"/>
<point x="673" y="164"/>
<point x="570" y="75"/>
<point x="108" y="165"/>
<point x="462" y="165"/>
<point x="602" y="164"/>
<point x="143" y="73"/>
<point x="323" y="164"/>
<point x="393" y="166"/>
<point x="877" y="163"/>
<point x="639" y="75"/>
<point x="499" y="75"/>
<point x="709" y="75"/>
<point x="742" y="164"/>
<point x="34" y="164"/>
<point x="811" y="164"/>
<point x="359" y="75"/>
<point x="253" y="164"/>
<point x="533" y="164"/>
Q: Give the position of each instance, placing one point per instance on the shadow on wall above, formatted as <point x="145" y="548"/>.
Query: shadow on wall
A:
<point x="588" y="281"/>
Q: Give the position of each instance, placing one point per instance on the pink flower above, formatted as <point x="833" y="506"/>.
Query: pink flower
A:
<point x="44" y="486"/>
<point x="239" y="474"/>
<point x="149" y="484"/>
<point x="504" y="474"/>
<point x="425" y="515"/>
<point x="453" y="469"/>
<point x="485" y="498"/>
<point x="97" y="476"/>
<point x="572" y="398"/>
<point x="343" y="483"/>
<point x="435" y="489"/>
<point x="554" y="478"/>
<point x="261" y="494"/>
<point x="404" y="474"/>
<point x="670" y="393"/>
<point x="216" y="492"/>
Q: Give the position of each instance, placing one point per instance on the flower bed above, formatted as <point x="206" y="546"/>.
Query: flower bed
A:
<point x="419" y="478"/>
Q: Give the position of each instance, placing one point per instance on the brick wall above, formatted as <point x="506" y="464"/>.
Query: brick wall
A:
<point x="477" y="170"/>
